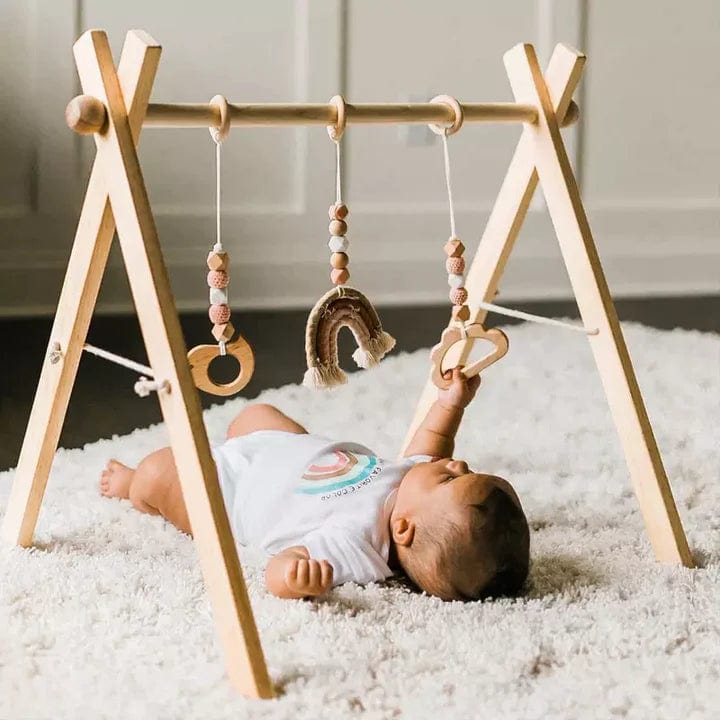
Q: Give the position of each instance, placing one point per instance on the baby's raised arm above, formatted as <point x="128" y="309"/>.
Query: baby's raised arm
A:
<point x="436" y="434"/>
<point x="293" y="574"/>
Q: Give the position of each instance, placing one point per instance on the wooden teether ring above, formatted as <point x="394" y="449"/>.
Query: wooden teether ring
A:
<point x="201" y="356"/>
<point x="454" y="335"/>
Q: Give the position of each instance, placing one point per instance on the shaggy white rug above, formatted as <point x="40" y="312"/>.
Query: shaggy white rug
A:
<point x="107" y="617"/>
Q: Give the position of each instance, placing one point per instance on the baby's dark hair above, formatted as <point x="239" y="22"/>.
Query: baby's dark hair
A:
<point x="484" y="554"/>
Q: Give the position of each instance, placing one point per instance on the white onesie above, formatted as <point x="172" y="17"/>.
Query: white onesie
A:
<point x="283" y="489"/>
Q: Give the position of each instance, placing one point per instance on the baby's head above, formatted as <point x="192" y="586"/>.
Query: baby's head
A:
<point x="460" y="535"/>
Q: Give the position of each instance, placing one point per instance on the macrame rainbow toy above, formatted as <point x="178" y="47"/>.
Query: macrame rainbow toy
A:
<point x="338" y="308"/>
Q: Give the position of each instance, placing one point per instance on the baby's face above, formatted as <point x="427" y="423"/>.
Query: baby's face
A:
<point x="444" y="486"/>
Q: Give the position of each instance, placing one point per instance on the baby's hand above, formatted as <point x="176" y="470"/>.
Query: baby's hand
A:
<point x="462" y="391"/>
<point x="306" y="576"/>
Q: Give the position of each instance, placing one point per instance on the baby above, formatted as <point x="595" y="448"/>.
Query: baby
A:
<point x="333" y="512"/>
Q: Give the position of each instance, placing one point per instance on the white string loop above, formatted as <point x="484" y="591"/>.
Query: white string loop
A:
<point x="338" y="173"/>
<point x="539" y="319"/>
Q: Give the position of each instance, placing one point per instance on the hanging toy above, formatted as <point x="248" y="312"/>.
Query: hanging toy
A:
<point x="342" y="306"/>
<point x="218" y="279"/>
<point x="462" y="329"/>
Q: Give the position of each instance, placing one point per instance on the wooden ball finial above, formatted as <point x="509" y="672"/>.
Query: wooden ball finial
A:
<point x="85" y="115"/>
<point x="572" y="115"/>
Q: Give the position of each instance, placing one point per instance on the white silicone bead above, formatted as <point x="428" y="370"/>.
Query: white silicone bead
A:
<point x="338" y="243"/>
<point x="218" y="296"/>
<point x="455" y="281"/>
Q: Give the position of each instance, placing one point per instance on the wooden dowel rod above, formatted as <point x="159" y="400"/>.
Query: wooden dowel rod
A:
<point x="86" y="115"/>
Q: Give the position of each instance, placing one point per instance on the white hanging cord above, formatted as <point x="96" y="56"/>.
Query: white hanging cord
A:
<point x="338" y="173"/>
<point x="448" y="182"/>
<point x="119" y="360"/>
<point x="218" y="239"/>
<point x="520" y="315"/>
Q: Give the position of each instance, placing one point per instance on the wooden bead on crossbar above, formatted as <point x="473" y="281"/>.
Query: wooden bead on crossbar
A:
<point x="85" y="115"/>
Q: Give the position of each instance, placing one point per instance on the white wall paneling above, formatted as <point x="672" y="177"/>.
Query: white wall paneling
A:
<point x="645" y="150"/>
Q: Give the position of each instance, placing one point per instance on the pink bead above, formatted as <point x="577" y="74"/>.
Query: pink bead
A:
<point x="219" y="314"/>
<point x="458" y="296"/>
<point x="455" y="265"/>
<point x="217" y="279"/>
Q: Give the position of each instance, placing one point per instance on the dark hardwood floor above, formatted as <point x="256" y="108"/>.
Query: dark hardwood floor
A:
<point x="104" y="404"/>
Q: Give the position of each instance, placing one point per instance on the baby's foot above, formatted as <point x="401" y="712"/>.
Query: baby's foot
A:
<point x="115" y="480"/>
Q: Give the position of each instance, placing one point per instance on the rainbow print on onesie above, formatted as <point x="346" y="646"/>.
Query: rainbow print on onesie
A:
<point x="338" y="470"/>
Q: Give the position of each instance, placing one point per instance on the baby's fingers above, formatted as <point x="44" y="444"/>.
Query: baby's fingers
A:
<point x="302" y="573"/>
<point x="313" y="582"/>
<point x="326" y="574"/>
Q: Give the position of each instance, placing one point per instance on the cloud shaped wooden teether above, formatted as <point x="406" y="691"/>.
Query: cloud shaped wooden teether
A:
<point x="454" y="335"/>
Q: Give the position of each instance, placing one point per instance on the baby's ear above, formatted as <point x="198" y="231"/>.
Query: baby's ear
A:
<point x="403" y="531"/>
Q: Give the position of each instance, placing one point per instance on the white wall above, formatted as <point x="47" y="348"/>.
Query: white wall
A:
<point x="647" y="150"/>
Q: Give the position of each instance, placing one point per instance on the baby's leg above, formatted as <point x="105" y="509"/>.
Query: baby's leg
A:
<point x="263" y="417"/>
<point x="153" y="487"/>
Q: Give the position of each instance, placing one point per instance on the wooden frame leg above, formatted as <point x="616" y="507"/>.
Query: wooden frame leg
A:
<point x="541" y="155"/>
<point x="563" y="74"/>
<point x="136" y="73"/>
<point x="166" y="350"/>
<point x="596" y="307"/>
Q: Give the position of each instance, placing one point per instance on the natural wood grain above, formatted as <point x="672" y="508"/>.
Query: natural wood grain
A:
<point x="136" y="73"/>
<point x="86" y="114"/>
<point x="596" y="307"/>
<point x="454" y="335"/>
<point x="163" y="339"/>
<point x="201" y="356"/>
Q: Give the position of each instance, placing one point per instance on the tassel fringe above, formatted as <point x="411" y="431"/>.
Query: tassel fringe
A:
<point x="323" y="376"/>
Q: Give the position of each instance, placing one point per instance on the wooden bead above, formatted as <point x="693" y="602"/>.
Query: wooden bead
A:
<point x="461" y="313"/>
<point x="338" y="211"/>
<point x="217" y="279"/>
<point x="223" y="332"/>
<point x="219" y="314"/>
<point x="458" y="296"/>
<point x="455" y="281"/>
<point x="217" y="261"/>
<point x="339" y="276"/>
<point x="339" y="260"/>
<point x="454" y="248"/>
<point x="455" y="265"/>
<point x="337" y="227"/>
